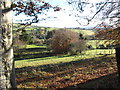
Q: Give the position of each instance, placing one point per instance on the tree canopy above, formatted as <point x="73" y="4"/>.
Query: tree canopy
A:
<point x="101" y="10"/>
<point x="105" y="11"/>
<point x="32" y="9"/>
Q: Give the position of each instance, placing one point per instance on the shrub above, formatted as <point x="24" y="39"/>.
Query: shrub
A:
<point x="24" y="36"/>
<point x="37" y="41"/>
<point x="101" y="46"/>
<point x="77" y="47"/>
<point x="64" y="41"/>
<point x="17" y="45"/>
<point x="90" y="47"/>
<point x="49" y="34"/>
<point x="81" y="36"/>
<point x="108" y="46"/>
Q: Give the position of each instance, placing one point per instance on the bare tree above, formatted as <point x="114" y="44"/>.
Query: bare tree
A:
<point x="7" y="70"/>
<point x="107" y="10"/>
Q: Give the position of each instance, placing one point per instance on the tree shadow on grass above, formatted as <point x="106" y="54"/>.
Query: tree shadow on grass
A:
<point x="33" y="56"/>
<point x="34" y="49"/>
<point x="107" y="81"/>
<point x="37" y="53"/>
<point x="84" y="68"/>
<point x="31" y="53"/>
<point x="51" y="67"/>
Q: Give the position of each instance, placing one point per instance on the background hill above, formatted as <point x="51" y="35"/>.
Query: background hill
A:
<point x="84" y="32"/>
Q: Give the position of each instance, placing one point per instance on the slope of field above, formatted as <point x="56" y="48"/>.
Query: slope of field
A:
<point x="84" y="32"/>
<point x="37" y="67"/>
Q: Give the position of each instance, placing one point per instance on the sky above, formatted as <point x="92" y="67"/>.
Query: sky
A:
<point x="64" y="19"/>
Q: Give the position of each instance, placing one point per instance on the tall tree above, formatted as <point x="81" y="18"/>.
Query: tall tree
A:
<point x="7" y="70"/>
<point x="29" y="8"/>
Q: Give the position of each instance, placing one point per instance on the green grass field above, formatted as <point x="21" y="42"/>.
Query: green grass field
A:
<point x="50" y="71"/>
<point x="40" y="58"/>
<point x="56" y="59"/>
<point x="37" y="67"/>
<point x="84" y="32"/>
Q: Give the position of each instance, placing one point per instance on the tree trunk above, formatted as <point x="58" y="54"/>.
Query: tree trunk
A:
<point x="7" y="71"/>
<point x="118" y="60"/>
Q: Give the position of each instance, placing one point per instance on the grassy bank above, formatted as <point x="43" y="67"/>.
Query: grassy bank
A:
<point x="39" y="55"/>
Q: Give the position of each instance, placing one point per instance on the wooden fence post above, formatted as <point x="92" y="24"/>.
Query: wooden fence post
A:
<point x="118" y="60"/>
